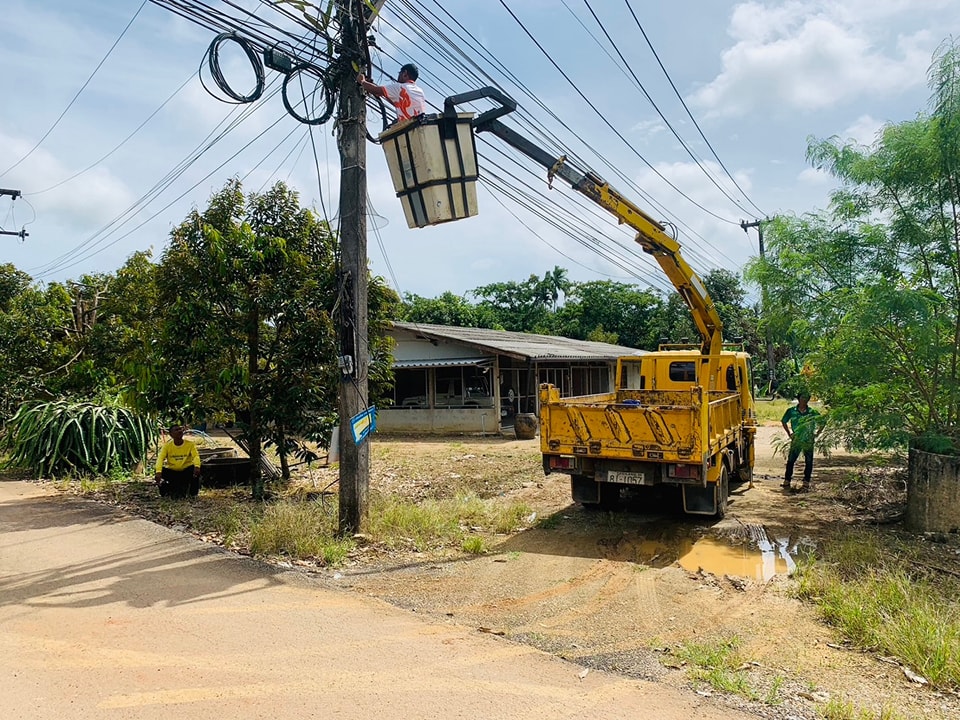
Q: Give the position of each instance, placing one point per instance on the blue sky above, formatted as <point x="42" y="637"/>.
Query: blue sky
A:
<point x="759" y="77"/>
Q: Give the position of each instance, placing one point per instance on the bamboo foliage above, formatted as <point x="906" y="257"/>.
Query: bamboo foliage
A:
<point x="63" y="438"/>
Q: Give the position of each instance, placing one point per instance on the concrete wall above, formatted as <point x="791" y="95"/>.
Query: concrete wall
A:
<point x="933" y="492"/>
<point x="453" y="421"/>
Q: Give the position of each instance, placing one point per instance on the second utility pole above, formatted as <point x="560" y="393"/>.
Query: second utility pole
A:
<point x="354" y="350"/>
<point x="765" y="309"/>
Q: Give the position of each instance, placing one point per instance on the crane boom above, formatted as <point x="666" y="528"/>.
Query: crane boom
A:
<point x="651" y="235"/>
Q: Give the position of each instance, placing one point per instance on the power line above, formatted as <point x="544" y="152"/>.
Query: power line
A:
<point x="689" y="114"/>
<point x="122" y="142"/>
<point x="64" y="261"/>
<point x="421" y="23"/>
<point x="535" y="127"/>
<point x="82" y="88"/>
<point x="607" y="122"/>
<point x="683" y="143"/>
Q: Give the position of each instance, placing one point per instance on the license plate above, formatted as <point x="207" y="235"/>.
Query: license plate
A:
<point x="626" y="478"/>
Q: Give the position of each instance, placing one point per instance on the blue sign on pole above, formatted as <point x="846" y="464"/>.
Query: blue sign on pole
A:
<point x="363" y="424"/>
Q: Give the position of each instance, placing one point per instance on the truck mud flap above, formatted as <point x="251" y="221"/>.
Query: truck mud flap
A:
<point x="699" y="500"/>
<point x="584" y="489"/>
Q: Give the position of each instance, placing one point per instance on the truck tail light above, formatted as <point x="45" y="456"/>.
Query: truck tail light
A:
<point x="683" y="471"/>
<point x="561" y="462"/>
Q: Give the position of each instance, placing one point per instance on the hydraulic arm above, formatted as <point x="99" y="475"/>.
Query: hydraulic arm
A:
<point x="651" y="235"/>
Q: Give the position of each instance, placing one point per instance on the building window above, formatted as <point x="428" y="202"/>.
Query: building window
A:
<point x="410" y="389"/>
<point x="462" y="387"/>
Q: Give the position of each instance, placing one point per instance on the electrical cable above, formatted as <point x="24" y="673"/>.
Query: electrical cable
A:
<point x="589" y="208"/>
<point x="609" y="125"/>
<point x="79" y="92"/>
<point x="535" y="128"/>
<point x="165" y="207"/>
<point x="65" y="260"/>
<point x="689" y="114"/>
<point x="300" y="145"/>
<point x="592" y="209"/>
<point x="121" y="144"/>
<point x="636" y="80"/>
<point x="213" y="62"/>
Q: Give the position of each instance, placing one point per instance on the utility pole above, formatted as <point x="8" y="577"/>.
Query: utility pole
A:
<point x="354" y="348"/>
<point x="764" y="307"/>
<point x="14" y="194"/>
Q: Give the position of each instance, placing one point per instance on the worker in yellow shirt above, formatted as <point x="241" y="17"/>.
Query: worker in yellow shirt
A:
<point x="178" y="466"/>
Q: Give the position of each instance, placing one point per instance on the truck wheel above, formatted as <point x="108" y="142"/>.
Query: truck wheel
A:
<point x="609" y="496"/>
<point x="723" y="492"/>
<point x="745" y="473"/>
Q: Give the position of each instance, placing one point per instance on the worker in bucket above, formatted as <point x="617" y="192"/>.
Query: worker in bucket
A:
<point x="404" y="94"/>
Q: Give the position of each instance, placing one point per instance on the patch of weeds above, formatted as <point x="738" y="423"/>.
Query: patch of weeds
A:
<point x="432" y="523"/>
<point x="771" y="410"/>
<point x="176" y="512"/>
<point x="882" y="603"/>
<point x="718" y="664"/>
<point x="92" y="485"/>
<point x="474" y="544"/>
<point x="836" y="709"/>
<point x="772" y="695"/>
<point x="298" y="530"/>
<point x="396" y="523"/>
<point x="231" y="522"/>
<point x="508" y="518"/>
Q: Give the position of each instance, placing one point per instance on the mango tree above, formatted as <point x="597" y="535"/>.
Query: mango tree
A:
<point x="249" y="288"/>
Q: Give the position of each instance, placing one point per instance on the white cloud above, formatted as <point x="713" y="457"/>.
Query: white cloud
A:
<point x="864" y="130"/>
<point x="814" y="177"/>
<point x="813" y="55"/>
<point x="646" y="129"/>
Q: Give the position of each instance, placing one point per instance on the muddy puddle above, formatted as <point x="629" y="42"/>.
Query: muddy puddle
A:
<point x="751" y="554"/>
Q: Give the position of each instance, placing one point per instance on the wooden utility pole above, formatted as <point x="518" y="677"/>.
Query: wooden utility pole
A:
<point x="764" y="307"/>
<point x="355" y="354"/>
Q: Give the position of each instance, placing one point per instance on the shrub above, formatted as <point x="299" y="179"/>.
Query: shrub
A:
<point x="62" y="437"/>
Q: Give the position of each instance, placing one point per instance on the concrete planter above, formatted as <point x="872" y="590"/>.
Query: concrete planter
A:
<point x="225" y="471"/>
<point x="933" y="492"/>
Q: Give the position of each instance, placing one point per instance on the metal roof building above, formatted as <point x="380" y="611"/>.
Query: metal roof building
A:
<point x="476" y="380"/>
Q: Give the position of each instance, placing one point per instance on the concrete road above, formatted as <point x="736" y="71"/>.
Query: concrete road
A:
<point x="107" y="616"/>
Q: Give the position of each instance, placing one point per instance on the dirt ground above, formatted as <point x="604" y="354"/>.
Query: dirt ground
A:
<point x="624" y="591"/>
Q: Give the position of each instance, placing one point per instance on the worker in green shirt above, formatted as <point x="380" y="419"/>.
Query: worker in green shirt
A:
<point x="800" y="424"/>
<point x="178" y="466"/>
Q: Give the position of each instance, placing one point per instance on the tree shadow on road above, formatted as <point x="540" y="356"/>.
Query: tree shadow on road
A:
<point x="84" y="554"/>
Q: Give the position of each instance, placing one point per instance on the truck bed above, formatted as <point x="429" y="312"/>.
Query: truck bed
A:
<point x="669" y="426"/>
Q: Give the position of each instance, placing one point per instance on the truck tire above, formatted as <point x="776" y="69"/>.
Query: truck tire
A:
<point x="723" y="493"/>
<point x="745" y="473"/>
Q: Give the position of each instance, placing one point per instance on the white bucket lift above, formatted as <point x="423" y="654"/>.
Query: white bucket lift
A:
<point x="433" y="164"/>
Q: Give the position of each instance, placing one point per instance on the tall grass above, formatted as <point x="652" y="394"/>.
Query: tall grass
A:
<point x="771" y="410"/>
<point x="299" y="530"/>
<point x="882" y="602"/>
<point x="306" y="530"/>
<point x="835" y="709"/>
<point x="437" y="523"/>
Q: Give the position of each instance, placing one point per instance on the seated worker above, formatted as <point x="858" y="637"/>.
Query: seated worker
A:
<point x="178" y="466"/>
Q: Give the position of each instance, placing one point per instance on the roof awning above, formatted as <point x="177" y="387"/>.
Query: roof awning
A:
<point x="442" y="362"/>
